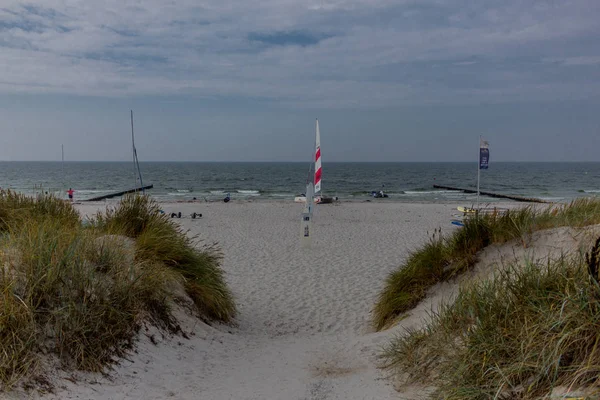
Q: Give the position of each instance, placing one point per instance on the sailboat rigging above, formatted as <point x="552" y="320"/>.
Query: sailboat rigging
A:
<point x="136" y="164"/>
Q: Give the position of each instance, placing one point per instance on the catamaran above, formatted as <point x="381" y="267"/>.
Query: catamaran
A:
<point x="319" y="197"/>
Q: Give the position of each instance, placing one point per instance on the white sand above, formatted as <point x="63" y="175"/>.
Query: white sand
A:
<point x="303" y="329"/>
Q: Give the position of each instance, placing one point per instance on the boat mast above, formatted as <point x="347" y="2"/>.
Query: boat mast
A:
<point x="133" y="152"/>
<point x="136" y="165"/>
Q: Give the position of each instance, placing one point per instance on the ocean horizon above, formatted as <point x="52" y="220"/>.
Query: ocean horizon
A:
<point x="260" y="180"/>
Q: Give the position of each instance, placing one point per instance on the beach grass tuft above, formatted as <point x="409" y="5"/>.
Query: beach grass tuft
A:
<point x="445" y="257"/>
<point x="159" y="239"/>
<point x="81" y="293"/>
<point x="519" y="335"/>
<point x="61" y="295"/>
<point x="423" y="269"/>
<point x="17" y="208"/>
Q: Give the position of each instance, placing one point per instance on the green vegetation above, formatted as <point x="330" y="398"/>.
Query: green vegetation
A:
<point x="16" y="208"/>
<point x="443" y="258"/>
<point x="159" y="240"/>
<point x="82" y="293"/>
<point x="516" y="336"/>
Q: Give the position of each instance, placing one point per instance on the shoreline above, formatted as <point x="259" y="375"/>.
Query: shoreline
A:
<point x="403" y="182"/>
<point x="390" y="201"/>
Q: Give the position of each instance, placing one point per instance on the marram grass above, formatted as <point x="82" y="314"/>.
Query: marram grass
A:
<point x="17" y="208"/>
<point x="160" y="240"/>
<point x="443" y="258"/>
<point x="517" y="335"/>
<point x="82" y="293"/>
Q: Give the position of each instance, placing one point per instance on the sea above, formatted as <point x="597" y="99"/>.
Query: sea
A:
<point x="258" y="181"/>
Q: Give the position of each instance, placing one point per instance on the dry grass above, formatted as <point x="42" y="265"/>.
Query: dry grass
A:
<point x="516" y="336"/>
<point x="443" y="258"/>
<point x="160" y="240"/>
<point x="82" y="294"/>
<point x="16" y="208"/>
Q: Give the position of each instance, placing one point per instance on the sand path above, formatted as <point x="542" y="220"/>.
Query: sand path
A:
<point x="303" y="327"/>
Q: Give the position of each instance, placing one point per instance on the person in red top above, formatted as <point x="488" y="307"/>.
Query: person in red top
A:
<point x="70" y="192"/>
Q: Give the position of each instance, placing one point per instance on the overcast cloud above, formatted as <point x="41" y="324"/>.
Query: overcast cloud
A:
<point x="241" y="80"/>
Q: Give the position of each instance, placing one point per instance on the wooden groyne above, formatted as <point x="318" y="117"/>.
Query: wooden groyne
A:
<point x="497" y="195"/>
<point x="121" y="193"/>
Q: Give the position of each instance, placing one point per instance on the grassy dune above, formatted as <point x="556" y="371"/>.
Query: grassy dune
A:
<point x="81" y="293"/>
<point x="159" y="240"/>
<point x="517" y="335"/>
<point x="445" y="257"/>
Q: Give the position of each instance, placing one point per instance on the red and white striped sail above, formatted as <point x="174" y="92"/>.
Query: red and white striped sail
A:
<point x="318" y="160"/>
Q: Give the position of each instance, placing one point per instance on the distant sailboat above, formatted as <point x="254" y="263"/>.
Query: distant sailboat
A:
<point x="136" y="164"/>
<point x="319" y="198"/>
<point x="138" y="187"/>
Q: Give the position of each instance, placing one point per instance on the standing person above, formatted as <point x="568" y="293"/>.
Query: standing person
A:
<point x="70" y="192"/>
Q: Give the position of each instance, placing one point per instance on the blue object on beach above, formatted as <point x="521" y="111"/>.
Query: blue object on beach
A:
<point x="457" y="223"/>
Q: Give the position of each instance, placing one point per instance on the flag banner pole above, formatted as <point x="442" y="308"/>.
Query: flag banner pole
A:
<point x="478" y="172"/>
<point x="484" y="159"/>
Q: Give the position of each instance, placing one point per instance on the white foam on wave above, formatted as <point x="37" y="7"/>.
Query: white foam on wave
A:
<point x="287" y="195"/>
<point x="419" y="192"/>
<point x="592" y="191"/>
<point x="183" y="191"/>
<point x="248" y="191"/>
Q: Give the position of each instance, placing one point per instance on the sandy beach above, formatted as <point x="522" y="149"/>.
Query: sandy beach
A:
<point x="303" y="329"/>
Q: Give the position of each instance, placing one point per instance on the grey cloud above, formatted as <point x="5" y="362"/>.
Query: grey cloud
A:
<point x="297" y="38"/>
<point x="583" y="60"/>
<point x="332" y="53"/>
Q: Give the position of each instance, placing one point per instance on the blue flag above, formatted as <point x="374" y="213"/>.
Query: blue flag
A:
<point x="484" y="154"/>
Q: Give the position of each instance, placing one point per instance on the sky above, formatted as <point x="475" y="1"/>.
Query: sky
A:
<point x="244" y="80"/>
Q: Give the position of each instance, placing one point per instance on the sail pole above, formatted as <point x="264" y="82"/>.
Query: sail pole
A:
<point x="136" y="164"/>
<point x="307" y="213"/>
